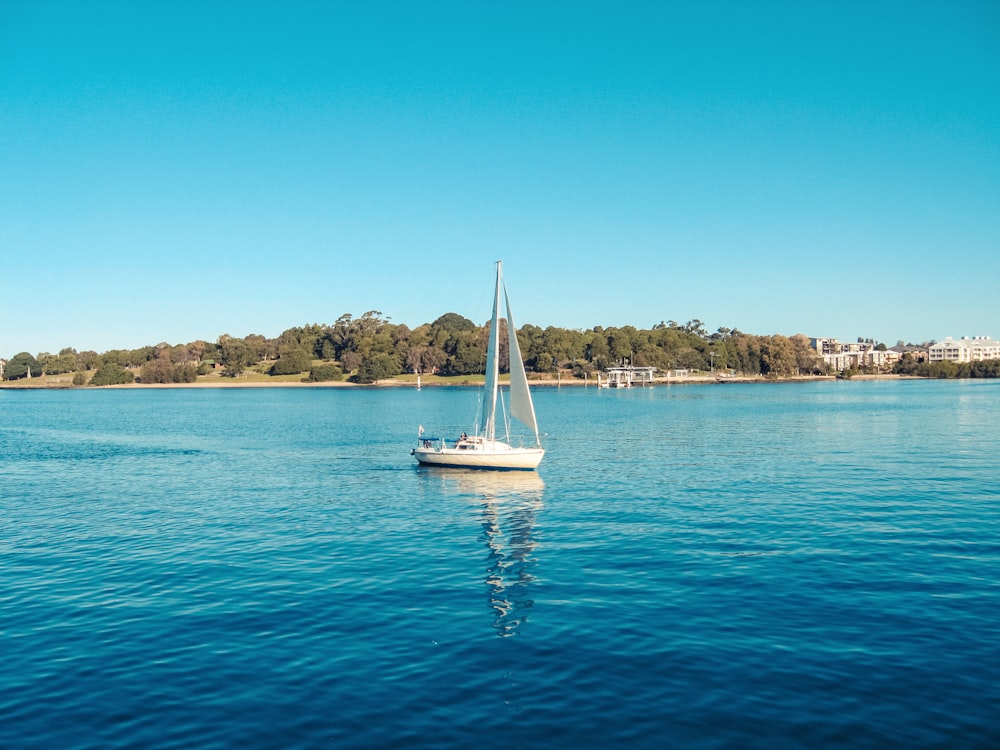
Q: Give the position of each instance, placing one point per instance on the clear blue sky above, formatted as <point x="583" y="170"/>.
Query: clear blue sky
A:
<point x="171" y="171"/>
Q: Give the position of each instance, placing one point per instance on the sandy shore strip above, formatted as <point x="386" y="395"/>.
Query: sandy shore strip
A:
<point x="45" y="382"/>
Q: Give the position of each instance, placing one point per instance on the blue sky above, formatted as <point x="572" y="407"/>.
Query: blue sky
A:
<point x="175" y="171"/>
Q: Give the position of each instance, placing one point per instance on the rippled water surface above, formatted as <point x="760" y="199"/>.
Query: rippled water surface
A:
<point x="799" y="565"/>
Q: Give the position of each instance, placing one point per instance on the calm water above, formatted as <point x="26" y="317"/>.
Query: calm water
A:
<point x="809" y="565"/>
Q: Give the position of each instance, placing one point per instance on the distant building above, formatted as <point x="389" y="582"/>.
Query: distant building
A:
<point x="918" y="353"/>
<point x="853" y="355"/>
<point x="965" y="349"/>
<point x="825" y="346"/>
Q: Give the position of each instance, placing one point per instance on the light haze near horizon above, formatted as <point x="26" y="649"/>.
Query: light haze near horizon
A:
<point x="177" y="171"/>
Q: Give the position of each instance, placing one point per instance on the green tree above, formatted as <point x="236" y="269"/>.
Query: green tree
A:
<point x="258" y="345"/>
<point x="696" y="327"/>
<point x="304" y="337"/>
<point x="350" y="361"/>
<point x="725" y="353"/>
<point x="200" y="350"/>
<point x="942" y="370"/>
<point x="292" y="362"/>
<point x="748" y="354"/>
<point x="987" y="369"/>
<point x="235" y="355"/>
<point x="534" y="349"/>
<point x="425" y="359"/>
<point x="136" y="357"/>
<point x="157" y="371"/>
<point x="161" y="370"/>
<point x="621" y="342"/>
<point x="453" y="322"/>
<point x="61" y="364"/>
<point x="596" y="348"/>
<point x="89" y="360"/>
<point x="377" y="367"/>
<point x="112" y="374"/>
<point x="777" y="356"/>
<point x="323" y="373"/>
<point x="358" y="337"/>
<point x="45" y="361"/>
<point x="324" y="348"/>
<point x="647" y="353"/>
<point x="690" y="358"/>
<point x="114" y="357"/>
<point x="338" y="336"/>
<point x="906" y="365"/>
<point x="668" y="342"/>
<point x="807" y="359"/>
<point x="468" y="353"/>
<point x="22" y="365"/>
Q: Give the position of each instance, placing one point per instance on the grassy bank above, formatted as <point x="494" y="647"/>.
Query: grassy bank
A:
<point x="255" y="379"/>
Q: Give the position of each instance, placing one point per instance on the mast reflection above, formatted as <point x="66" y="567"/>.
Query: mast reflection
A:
<point x="509" y="503"/>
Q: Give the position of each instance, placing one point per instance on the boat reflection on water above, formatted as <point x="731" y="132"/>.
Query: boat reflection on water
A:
<point x="509" y="503"/>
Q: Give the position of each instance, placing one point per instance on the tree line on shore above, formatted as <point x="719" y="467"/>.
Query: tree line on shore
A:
<point x="372" y="348"/>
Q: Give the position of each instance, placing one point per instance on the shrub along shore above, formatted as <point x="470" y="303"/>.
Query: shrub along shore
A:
<point x="410" y="381"/>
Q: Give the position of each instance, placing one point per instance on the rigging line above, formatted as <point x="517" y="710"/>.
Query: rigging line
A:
<point x="506" y="416"/>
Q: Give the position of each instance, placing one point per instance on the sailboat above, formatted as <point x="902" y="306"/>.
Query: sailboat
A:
<point x="483" y="449"/>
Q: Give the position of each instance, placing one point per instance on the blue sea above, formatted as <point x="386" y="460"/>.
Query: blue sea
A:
<point x="723" y="566"/>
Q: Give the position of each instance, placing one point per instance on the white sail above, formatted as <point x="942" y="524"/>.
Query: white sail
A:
<point x="520" y="397"/>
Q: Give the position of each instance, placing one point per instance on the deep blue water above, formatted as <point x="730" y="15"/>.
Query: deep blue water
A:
<point x="753" y="566"/>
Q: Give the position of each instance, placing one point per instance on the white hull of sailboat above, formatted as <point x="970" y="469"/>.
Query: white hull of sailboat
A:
<point x="494" y="455"/>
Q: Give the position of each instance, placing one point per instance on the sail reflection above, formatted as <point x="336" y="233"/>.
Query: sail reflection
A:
<point x="509" y="503"/>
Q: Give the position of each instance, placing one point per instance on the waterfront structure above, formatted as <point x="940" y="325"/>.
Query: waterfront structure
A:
<point x="965" y="349"/>
<point x="627" y="377"/>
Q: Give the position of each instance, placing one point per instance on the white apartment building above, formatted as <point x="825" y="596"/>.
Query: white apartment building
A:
<point x="855" y="360"/>
<point x="853" y="355"/>
<point x="825" y="346"/>
<point x="965" y="349"/>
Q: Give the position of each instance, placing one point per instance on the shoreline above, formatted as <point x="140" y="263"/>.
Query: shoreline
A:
<point x="58" y="383"/>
